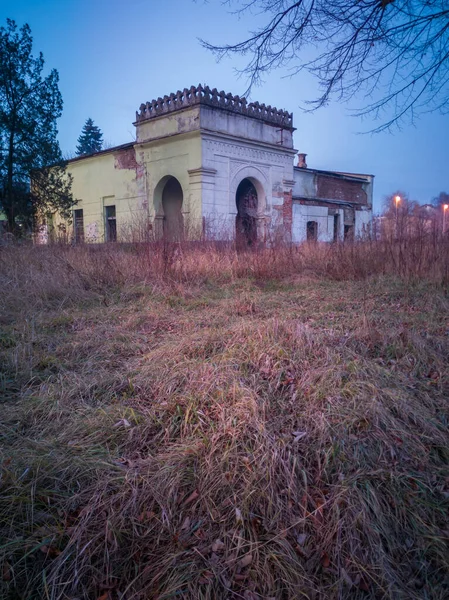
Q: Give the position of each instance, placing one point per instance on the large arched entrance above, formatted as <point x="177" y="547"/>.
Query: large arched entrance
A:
<point x="173" y="224"/>
<point x="246" y="219"/>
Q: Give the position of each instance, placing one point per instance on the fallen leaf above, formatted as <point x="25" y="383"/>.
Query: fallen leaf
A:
<point x="300" y="551"/>
<point x="301" y="538"/>
<point x="193" y="496"/>
<point x="122" y="423"/>
<point x="325" y="560"/>
<point x="104" y="596"/>
<point x="217" y="546"/>
<point x="200" y="534"/>
<point x="186" y="524"/>
<point x="206" y="577"/>
<point x="298" y="435"/>
<point x="246" y="560"/>
<point x="238" y="515"/>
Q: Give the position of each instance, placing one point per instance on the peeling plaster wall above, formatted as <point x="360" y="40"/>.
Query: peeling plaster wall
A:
<point x="210" y="151"/>
<point x="177" y="157"/>
<point x="106" y="179"/>
<point x="241" y="126"/>
<point x="305" y="184"/>
<point x="184" y="121"/>
<point x="320" y="214"/>
<point x="226" y="162"/>
<point x="363" y="220"/>
<point x="340" y="189"/>
<point x="317" y="187"/>
<point x="310" y="184"/>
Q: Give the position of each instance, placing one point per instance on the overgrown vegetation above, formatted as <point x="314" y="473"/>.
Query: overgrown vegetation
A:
<point x="188" y="422"/>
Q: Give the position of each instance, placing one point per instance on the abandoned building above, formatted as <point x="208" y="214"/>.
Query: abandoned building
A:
<point x="206" y="163"/>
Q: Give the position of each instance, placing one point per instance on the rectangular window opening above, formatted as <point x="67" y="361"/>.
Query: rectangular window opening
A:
<point x="111" y="224"/>
<point x="312" y="231"/>
<point x="78" y="222"/>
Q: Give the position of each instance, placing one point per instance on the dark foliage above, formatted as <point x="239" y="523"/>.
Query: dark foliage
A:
<point x="30" y="104"/>
<point x="90" y="140"/>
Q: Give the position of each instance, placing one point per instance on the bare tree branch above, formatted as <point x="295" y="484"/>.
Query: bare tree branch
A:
<point x="395" y="52"/>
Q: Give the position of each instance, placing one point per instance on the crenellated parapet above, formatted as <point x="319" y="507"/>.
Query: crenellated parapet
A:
<point x="204" y="95"/>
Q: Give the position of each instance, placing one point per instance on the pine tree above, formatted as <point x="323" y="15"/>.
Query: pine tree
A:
<point x="90" y="140"/>
<point x="30" y="104"/>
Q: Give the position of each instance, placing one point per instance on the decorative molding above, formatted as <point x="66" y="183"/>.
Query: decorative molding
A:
<point x="202" y="175"/>
<point x="261" y="183"/>
<point x="204" y="95"/>
<point x="202" y="171"/>
<point x="231" y="150"/>
<point x="288" y="184"/>
<point x="240" y="171"/>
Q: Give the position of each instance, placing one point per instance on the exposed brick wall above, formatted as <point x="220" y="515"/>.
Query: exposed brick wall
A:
<point x="340" y="189"/>
<point x="125" y="159"/>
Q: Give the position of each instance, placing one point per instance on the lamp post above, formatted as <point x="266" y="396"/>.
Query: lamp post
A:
<point x="445" y="207"/>
<point x="397" y="199"/>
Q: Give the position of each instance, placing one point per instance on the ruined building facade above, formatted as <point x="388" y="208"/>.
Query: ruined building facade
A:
<point x="210" y="164"/>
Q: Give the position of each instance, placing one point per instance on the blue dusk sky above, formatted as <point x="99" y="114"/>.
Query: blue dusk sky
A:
<point x="112" y="55"/>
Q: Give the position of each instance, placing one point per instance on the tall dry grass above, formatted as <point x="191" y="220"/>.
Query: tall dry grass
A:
<point x="187" y="421"/>
<point x="55" y="273"/>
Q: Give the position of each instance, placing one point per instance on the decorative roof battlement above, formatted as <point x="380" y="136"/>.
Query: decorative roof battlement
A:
<point x="204" y="95"/>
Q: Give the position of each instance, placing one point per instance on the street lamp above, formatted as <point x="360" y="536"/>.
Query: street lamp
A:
<point x="445" y="207"/>
<point x="397" y="199"/>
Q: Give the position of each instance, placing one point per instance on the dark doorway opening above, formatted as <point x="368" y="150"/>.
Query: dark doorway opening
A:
<point x="312" y="231"/>
<point x="246" y="220"/>
<point x="172" y="198"/>
<point x="349" y="233"/>
<point x="336" y="228"/>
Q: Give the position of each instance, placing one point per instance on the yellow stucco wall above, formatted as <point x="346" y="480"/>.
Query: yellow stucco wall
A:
<point x="173" y="156"/>
<point x="132" y="179"/>
<point x="97" y="182"/>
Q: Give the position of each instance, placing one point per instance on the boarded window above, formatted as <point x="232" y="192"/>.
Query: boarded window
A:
<point x="78" y="223"/>
<point x="312" y="231"/>
<point x="111" y="224"/>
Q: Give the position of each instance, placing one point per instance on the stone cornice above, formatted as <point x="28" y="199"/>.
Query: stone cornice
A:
<point x="215" y="99"/>
<point x="202" y="171"/>
<point x="214" y="137"/>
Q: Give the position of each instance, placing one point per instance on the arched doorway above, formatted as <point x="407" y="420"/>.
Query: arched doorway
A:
<point x="246" y="219"/>
<point x="173" y="224"/>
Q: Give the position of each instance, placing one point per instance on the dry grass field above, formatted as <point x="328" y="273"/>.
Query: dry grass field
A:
<point x="191" y="423"/>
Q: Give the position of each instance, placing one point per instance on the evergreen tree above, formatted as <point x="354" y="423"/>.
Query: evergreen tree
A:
<point x="30" y="104"/>
<point x="90" y="140"/>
